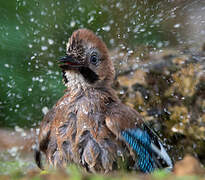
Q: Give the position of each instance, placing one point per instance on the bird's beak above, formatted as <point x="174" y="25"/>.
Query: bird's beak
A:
<point x="69" y="62"/>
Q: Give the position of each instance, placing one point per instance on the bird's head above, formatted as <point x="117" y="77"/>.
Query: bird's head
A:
<point x="88" y="55"/>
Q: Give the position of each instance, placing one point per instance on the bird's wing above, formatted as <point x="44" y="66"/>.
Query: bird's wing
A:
<point x="128" y="126"/>
<point x="43" y="137"/>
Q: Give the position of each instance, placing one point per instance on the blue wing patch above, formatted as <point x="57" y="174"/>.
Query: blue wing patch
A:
<point x="148" y="153"/>
<point x="140" y="142"/>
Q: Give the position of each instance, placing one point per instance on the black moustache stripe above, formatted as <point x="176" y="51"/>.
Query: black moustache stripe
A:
<point x="89" y="75"/>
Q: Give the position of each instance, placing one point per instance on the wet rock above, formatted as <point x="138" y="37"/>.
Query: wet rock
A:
<point x="167" y="88"/>
<point x="188" y="166"/>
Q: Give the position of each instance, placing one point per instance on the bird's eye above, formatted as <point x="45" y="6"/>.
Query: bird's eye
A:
<point x="94" y="59"/>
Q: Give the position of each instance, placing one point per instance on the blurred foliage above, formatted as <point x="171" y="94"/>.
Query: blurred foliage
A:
<point x="11" y="167"/>
<point x="33" y="35"/>
<point x="74" y="173"/>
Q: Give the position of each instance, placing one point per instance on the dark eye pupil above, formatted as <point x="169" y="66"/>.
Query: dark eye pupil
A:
<point x="94" y="59"/>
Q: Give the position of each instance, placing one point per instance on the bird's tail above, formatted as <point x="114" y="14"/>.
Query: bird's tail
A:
<point x="38" y="158"/>
<point x="150" y="151"/>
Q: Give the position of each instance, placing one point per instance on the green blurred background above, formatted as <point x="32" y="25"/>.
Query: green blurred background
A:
<point x="33" y="35"/>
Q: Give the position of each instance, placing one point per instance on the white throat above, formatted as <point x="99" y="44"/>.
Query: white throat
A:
<point x="75" y="81"/>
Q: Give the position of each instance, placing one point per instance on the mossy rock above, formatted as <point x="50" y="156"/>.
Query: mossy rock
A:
<point x="168" y="90"/>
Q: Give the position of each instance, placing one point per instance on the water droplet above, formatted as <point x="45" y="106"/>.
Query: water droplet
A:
<point x="44" y="48"/>
<point x="18" y="129"/>
<point x="32" y="57"/>
<point x="106" y="28"/>
<point x="112" y="41"/>
<point x="45" y="110"/>
<point x="50" y="63"/>
<point x="13" y="151"/>
<point x="142" y="30"/>
<point x="30" y="45"/>
<point x="43" y="38"/>
<point x="91" y="19"/>
<point x="130" y="52"/>
<point x="122" y="92"/>
<point x="43" y="88"/>
<point x="146" y="97"/>
<point x="32" y="19"/>
<point x="37" y="131"/>
<point x="72" y="23"/>
<point x="41" y="80"/>
<point x="6" y="65"/>
<point x="177" y="25"/>
<point x="159" y="44"/>
<point x="50" y="41"/>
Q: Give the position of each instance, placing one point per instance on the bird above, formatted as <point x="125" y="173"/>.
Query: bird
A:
<point x="89" y="126"/>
